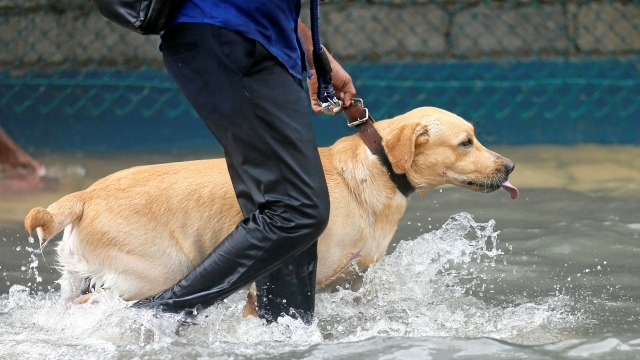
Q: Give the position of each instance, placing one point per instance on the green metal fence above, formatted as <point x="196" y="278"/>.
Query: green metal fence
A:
<point x="524" y="71"/>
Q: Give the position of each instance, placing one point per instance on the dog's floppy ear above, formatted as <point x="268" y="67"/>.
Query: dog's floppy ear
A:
<point x="400" y="145"/>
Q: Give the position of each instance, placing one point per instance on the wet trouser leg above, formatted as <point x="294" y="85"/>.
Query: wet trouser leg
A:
<point x="259" y="113"/>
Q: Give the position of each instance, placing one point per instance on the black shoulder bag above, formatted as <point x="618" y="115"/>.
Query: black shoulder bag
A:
<point x="146" y="17"/>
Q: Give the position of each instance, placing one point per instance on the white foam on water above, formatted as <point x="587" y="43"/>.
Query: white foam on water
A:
<point x="417" y="291"/>
<point x="420" y="290"/>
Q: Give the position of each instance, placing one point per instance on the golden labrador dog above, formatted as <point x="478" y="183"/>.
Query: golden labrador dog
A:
<point x="140" y="230"/>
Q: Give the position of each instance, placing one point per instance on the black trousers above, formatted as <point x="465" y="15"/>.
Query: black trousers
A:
<point x="259" y="113"/>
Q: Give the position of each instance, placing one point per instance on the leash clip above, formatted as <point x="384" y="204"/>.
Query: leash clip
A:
<point x="357" y="122"/>
<point x="332" y="106"/>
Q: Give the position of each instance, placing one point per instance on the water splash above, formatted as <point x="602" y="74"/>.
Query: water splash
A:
<point x="428" y="287"/>
<point x="423" y="288"/>
<point x="32" y="267"/>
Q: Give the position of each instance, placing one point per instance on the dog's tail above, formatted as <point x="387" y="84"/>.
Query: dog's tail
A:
<point x="48" y="222"/>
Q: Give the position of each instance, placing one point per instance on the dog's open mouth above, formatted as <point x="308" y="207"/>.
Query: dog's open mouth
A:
<point x="488" y="187"/>
<point x="511" y="189"/>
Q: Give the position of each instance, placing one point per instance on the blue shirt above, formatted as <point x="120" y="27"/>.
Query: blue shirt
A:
<point x="273" y="23"/>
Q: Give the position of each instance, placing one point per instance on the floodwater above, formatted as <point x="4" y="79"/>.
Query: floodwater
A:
<point x="554" y="274"/>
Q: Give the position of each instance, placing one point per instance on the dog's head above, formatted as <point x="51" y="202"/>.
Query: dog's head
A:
<point x="435" y="147"/>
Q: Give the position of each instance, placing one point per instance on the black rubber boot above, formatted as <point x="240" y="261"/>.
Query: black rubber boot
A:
<point x="290" y="289"/>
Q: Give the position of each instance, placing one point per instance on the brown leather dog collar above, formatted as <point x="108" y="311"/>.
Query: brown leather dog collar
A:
<point x="358" y="116"/>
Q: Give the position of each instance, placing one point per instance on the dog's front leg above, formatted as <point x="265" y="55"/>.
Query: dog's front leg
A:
<point x="252" y="302"/>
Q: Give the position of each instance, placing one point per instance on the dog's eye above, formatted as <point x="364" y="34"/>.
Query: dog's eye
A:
<point x="467" y="143"/>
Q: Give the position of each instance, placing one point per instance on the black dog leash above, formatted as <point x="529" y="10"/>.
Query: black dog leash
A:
<point x="326" y="95"/>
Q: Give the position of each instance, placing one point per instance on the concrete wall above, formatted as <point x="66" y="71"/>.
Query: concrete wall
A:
<point x="71" y="34"/>
<point x="394" y="30"/>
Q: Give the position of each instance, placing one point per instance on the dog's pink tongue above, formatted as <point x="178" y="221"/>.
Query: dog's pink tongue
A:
<point x="511" y="189"/>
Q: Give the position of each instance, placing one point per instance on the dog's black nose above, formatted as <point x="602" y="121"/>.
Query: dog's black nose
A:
<point x="509" y="166"/>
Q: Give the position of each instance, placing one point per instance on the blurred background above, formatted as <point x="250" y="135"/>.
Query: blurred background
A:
<point x="523" y="71"/>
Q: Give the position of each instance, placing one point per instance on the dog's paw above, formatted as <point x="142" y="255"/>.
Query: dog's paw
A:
<point x="251" y="304"/>
<point x="82" y="299"/>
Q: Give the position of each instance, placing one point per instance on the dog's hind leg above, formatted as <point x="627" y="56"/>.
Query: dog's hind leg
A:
<point x="73" y="286"/>
<point x="83" y="299"/>
<point x="86" y="292"/>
